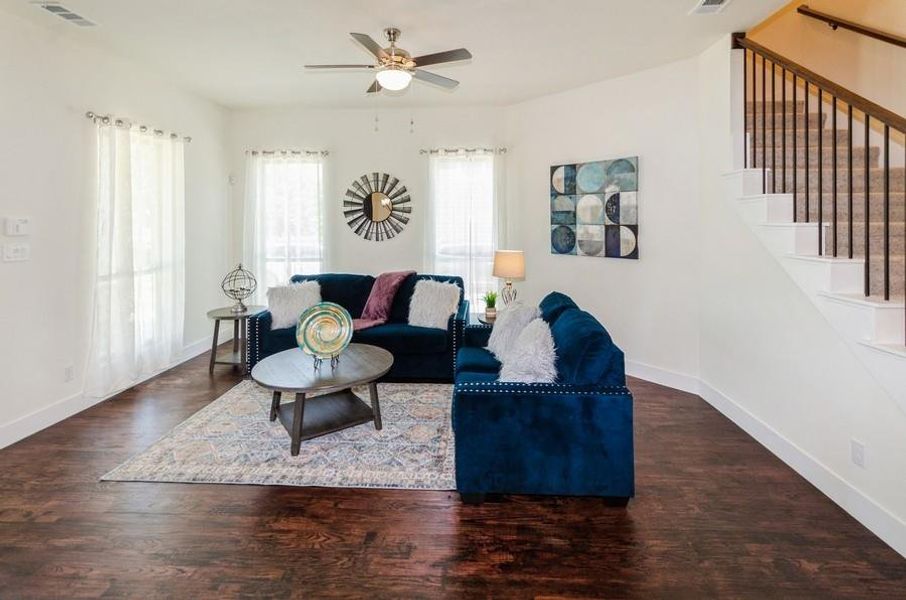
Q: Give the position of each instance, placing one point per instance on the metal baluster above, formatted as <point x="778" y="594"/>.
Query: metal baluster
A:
<point x="745" y="108"/>
<point x="834" y="162"/>
<point x="754" y="112"/>
<point x="849" y="130"/>
<point x="808" y="216"/>
<point x="795" y="149"/>
<point x="764" y="126"/>
<point x="886" y="212"/>
<point x="866" y="191"/>
<point x="820" y="171"/>
<point x="773" y="128"/>
<point x="783" y="130"/>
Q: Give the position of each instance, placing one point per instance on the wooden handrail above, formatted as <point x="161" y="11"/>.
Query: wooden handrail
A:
<point x="876" y="111"/>
<point x="835" y="22"/>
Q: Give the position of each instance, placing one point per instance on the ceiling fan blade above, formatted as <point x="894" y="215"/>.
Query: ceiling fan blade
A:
<point x="370" y="44"/>
<point x="436" y="79"/>
<point x="375" y="87"/>
<point x="339" y="66"/>
<point x="442" y="57"/>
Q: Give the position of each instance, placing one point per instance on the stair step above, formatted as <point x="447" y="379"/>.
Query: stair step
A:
<point x="876" y="181"/>
<point x="826" y="156"/>
<point x="876" y="276"/>
<point x="875" y="237"/>
<point x="875" y="209"/>
<point x="827" y="137"/>
<point x="776" y="106"/>
<point x="814" y="122"/>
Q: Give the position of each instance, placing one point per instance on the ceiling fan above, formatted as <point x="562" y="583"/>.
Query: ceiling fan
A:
<point x="396" y="68"/>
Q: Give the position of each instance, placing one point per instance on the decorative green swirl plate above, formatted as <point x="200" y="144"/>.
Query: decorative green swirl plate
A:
<point x="324" y="330"/>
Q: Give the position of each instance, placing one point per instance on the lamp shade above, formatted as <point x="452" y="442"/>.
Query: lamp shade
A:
<point x="509" y="264"/>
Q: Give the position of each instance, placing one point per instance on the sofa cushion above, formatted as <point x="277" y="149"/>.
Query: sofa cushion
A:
<point x="399" y="310"/>
<point x="348" y="290"/>
<point x="585" y="353"/>
<point x="476" y="359"/>
<point x="404" y="339"/>
<point x="554" y="304"/>
<point x="475" y="377"/>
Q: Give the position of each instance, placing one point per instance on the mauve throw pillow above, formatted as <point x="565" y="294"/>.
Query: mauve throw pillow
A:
<point x="532" y="359"/>
<point x="509" y="324"/>
<point x="377" y="308"/>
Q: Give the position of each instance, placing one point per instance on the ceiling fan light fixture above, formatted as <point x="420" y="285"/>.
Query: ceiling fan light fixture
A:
<point x="394" y="78"/>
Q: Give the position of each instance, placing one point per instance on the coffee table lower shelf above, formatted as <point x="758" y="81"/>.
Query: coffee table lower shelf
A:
<point x="322" y="415"/>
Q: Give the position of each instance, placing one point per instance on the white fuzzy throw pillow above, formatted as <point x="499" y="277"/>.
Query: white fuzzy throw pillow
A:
<point x="432" y="303"/>
<point x="532" y="359"/>
<point x="287" y="302"/>
<point x="509" y="324"/>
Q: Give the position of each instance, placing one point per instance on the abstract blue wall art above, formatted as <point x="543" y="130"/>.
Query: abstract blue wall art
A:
<point x="595" y="209"/>
<point x="563" y="239"/>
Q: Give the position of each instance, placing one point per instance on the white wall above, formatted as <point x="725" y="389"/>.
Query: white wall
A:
<point x="648" y="305"/>
<point x="356" y="149"/>
<point x="46" y="169"/>
<point x="768" y="358"/>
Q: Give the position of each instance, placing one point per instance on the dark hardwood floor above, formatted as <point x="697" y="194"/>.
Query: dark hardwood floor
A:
<point x="716" y="516"/>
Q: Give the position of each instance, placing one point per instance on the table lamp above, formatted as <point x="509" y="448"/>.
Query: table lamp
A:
<point x="509" y="265"/>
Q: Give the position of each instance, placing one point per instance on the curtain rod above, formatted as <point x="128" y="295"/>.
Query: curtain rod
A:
<point x="127" y="124"/>
<point x="465" y="150"/>
<point x="292" y="152"/>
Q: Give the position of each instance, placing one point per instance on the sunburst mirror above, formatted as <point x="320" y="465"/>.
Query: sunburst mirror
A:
<point x="376" y="206"/>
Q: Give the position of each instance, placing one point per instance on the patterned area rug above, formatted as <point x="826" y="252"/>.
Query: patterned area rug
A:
<point x="232" y="441"/>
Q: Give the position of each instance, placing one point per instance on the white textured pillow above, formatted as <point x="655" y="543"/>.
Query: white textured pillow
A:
<point x="287" y="302"/>
<point x="532" y="359"/>
<point x="509" y="324"/>
<point x="432" y="303"/>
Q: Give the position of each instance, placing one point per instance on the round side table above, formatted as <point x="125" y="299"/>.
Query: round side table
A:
<point x="240" y="320"/>
<point x="484" y="320"/>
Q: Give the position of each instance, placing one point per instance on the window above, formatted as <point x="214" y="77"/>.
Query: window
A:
<point x="139" y="290"/>
<point x="465" y="219"/>
<point x="283" y="216"/>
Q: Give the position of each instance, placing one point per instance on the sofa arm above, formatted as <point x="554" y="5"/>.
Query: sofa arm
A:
<point x="543" y="439"/>
<point x="259" y="325"/>
<point x="476" y="336"/>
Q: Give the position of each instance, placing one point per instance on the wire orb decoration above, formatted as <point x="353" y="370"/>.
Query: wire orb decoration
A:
<point x="238" y="285"/>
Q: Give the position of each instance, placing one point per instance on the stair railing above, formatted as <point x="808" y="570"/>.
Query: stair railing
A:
<point x="755" y="56"/>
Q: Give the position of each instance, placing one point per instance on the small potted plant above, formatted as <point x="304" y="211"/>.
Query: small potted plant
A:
<point x="490" y="301"/>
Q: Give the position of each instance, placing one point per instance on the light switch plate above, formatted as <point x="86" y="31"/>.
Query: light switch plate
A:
<point x="16" y="226"/>
<point x="16" y="252"/>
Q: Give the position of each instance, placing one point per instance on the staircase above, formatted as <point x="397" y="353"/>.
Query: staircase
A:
<point x="828" y="205"/>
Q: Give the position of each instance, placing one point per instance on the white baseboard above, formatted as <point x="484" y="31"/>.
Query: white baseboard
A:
<point x="32" y="423"/>
<point x="877" y="519"/>
<point x="671" y="379"/>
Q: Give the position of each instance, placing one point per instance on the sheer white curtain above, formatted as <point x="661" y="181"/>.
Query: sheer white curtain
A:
<point x="139" y="278"/>
<point x="466" y="219"/>
<point x="283" y="196"/>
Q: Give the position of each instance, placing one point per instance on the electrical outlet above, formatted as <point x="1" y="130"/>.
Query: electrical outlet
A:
<point x="857" y="452"/>
<point x="16" y="252"/>
<point x="16" y="226"/>
<point x="68" y="373"/>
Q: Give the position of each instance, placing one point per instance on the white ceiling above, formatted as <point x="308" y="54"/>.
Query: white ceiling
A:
<point x="249" y="53"/>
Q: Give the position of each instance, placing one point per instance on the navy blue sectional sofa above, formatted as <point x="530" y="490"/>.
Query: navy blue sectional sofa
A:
<point x="573" y="437"/>
<point x="419" y="353"/>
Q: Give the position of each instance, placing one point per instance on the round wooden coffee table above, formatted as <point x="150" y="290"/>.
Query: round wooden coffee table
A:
<point x="335" y="407"/>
